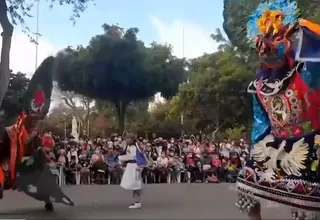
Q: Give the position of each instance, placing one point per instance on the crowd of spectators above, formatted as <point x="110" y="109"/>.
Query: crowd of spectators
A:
<point x="185" y="159"/>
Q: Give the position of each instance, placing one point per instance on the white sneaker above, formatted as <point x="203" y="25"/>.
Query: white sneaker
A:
<point x="136" y="205"/>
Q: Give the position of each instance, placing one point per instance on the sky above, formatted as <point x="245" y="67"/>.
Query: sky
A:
<point x="185" y="24"/>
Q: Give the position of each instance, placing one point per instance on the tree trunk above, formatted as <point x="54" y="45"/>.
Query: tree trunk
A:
<point x="121" y="107"/>
<point x="7" y="32"/>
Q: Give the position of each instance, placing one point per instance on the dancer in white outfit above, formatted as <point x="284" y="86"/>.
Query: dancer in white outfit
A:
<point x="132" y="180"/>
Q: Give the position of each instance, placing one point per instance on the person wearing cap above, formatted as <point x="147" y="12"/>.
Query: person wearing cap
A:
<point x="135" y="160"/>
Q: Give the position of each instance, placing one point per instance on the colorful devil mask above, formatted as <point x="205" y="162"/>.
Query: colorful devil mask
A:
<point x="270" y="28"/>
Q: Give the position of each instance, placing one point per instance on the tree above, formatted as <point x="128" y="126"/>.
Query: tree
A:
<point x="12" y="104"/>
<point x="235" y="14"/>
<point x="18" y="10"/>
<point x="118" y="68"/>
<point x="137" y="111"/>
<point x="80" y="105"/>
<point x="58" y="121"/>
<point x="215" y="95"/>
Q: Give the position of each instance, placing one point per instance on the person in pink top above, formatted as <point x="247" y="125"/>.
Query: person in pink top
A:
<point x="217" y="168"/>
<point x="216" y="162"/>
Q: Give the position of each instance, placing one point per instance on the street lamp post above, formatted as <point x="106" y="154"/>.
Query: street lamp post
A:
<point x="182" y="116"/>
<point x="65" y="130"/>
<point x="182" y="121"/>
<point x="65" y="117"/>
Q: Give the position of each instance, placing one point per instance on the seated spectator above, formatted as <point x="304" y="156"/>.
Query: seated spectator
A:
<point x="71" y="170"/>
<point x="191" y="166"/>
<point x="154" y="152"/>
<point x="243" y="158"/>
<point x="52" y="158"/>
<point x="98" y="163"/>
<point x="82" y="152"/>
<point x="73" y="152"/>
<point x="217" y="169"/>
<point x="62" y="157"/>
<point x="206" y="163"/>
<point x="161" y="170"/>
<point x="235" y="159"/>
<point x="148" y="171"/>
<point x="84" y="170"/>
<point x="90" y="151"/>
<point x="236" y="148"/>
<point x="233" y="169"/>
<point x="175" y="167"/>
<point x="114" y="169"/>
<point x="197" y="150"/>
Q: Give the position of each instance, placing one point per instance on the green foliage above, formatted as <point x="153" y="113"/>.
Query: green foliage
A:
<point x="59" y="119"/>
<point x="235" y="133"/>
<point x="118" y="68"/>
<point x="216" y="87"/>
<point x="12" y="103"/>
<point x="236" y="13"/>
<point x="19" y="9"/>
<point x="159" y="121"/>
<point x="136" y="111"/>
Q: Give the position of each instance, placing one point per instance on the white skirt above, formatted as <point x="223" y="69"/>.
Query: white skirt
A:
<point x="131" y="178"/>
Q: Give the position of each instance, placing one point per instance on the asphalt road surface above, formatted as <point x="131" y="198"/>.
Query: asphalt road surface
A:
<point x="160" y="201"/>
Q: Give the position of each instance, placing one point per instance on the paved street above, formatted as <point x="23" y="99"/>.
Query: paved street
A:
<point x="165" y="201"/>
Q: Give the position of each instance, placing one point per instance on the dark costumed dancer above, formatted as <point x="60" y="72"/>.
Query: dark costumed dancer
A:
<point x="285" y="153"/>
<point x="23" y="157"/>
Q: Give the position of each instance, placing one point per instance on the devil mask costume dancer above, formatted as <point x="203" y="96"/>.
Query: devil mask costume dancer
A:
<point x="285" y="153"/>
<point x="24" y="152"/>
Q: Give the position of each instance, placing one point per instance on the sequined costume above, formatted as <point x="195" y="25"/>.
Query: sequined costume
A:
<point x="285" y="152"/>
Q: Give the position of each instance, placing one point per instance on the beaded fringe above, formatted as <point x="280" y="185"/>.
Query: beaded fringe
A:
<point x="250" y="203"/>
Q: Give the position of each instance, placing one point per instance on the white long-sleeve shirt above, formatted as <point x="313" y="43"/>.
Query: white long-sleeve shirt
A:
<point x="162" y="162"/>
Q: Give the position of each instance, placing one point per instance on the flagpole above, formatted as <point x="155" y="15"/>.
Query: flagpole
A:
<point x="183" y="42"/>
<point x="37" y="35"/>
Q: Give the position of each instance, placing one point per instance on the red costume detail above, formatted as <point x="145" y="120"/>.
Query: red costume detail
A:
<point x="39" y="97"/>
<point x="299" y="106"/>
<point x="47" y="141"/>
<point x="18" y="136"/>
